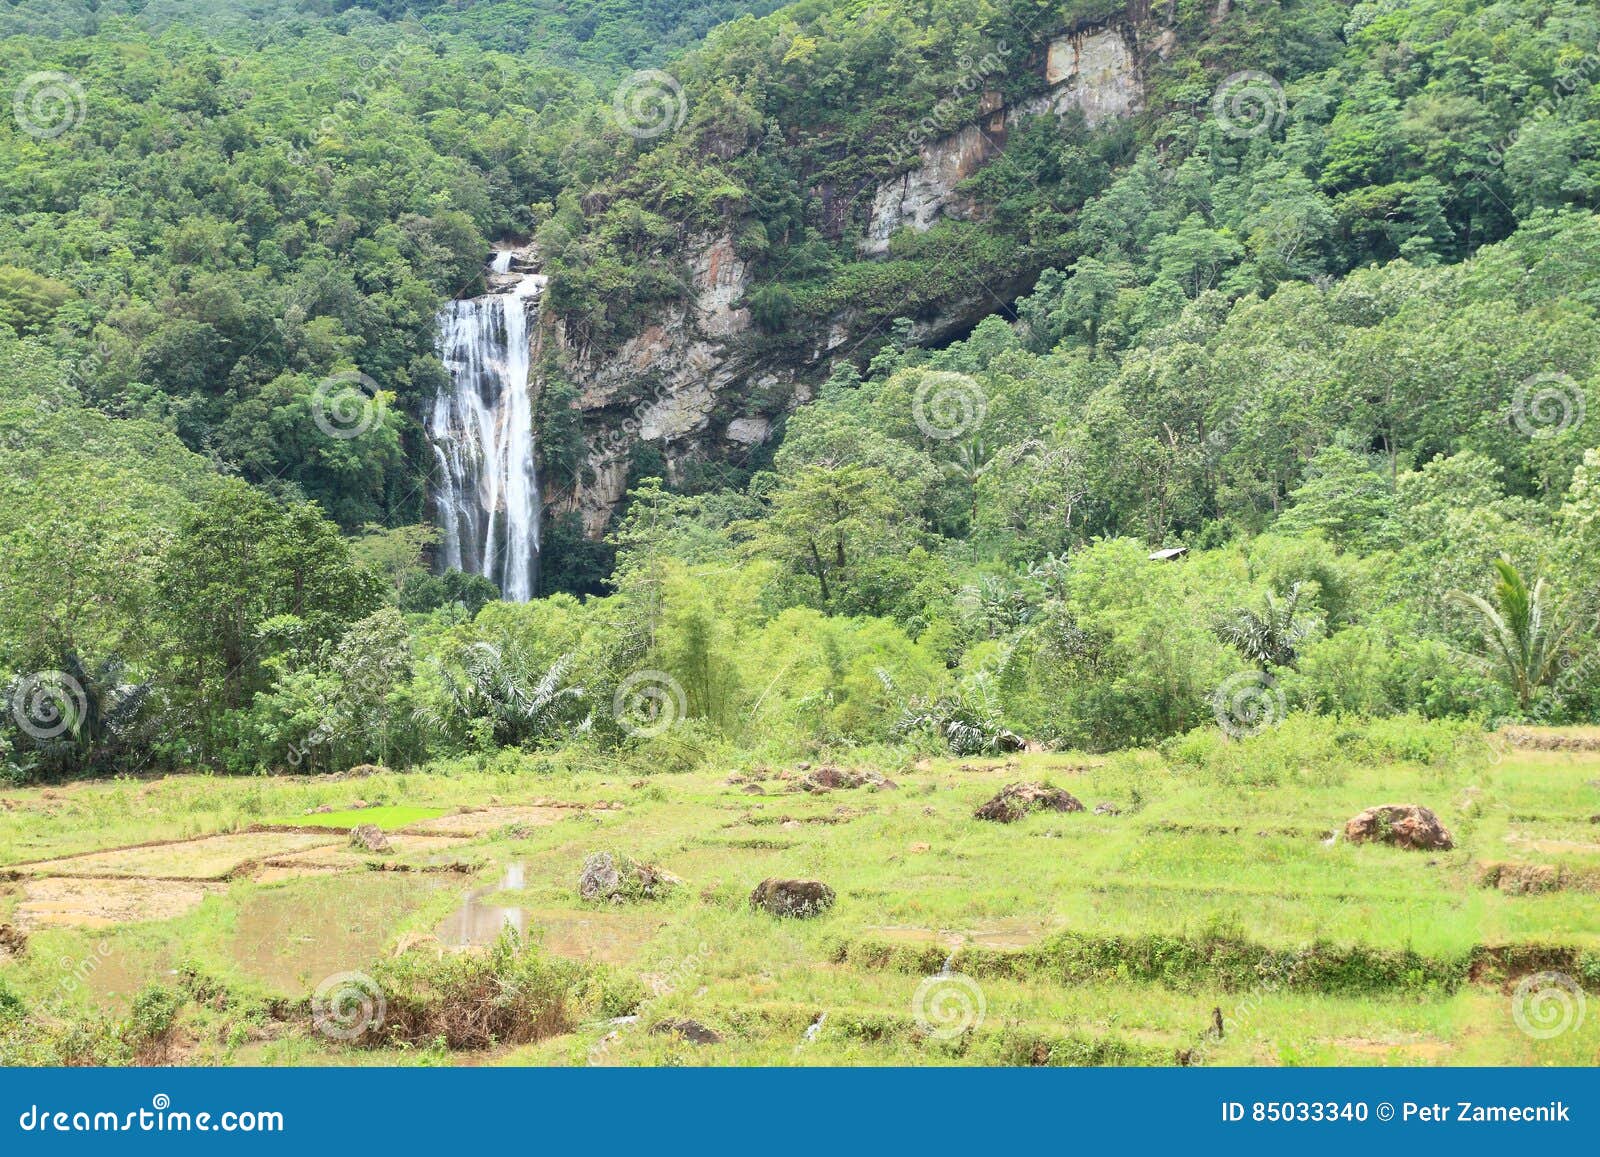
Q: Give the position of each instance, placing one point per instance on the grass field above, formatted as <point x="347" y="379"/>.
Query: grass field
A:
<point x="1217" y="891"/>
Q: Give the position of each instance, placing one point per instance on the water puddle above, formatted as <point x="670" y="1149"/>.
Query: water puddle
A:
<point x="598" y="935"/>
<point x="475" y="924"/>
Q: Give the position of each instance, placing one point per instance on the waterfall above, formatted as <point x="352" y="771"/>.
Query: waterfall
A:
<point x="481" y="433"/>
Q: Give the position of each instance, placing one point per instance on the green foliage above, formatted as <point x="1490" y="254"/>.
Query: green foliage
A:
<point x="1522" y="634"/>
<point x="511" y="994"/>
<point x="1272" y="636"/>
<point x="1321" y="358"/>
<point x="493" y="696"/>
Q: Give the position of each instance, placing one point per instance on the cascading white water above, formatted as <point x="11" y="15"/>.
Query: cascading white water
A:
<point x="481" y="431"/>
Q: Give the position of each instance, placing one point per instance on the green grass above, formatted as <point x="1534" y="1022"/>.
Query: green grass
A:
<point x="1093" y="939"/>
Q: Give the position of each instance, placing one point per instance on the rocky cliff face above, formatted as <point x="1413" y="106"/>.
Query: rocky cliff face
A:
<point x="1095" y="72"/>
<point x="686" y="382"/>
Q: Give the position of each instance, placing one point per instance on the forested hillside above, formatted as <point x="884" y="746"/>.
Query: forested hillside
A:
<point x="1316" y="312"/>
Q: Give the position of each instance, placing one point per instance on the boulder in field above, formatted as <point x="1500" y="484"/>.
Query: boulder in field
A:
<point x="370" y="838"/>
<point x="619" y="879"/>
<point x="1020" y="799"/>
<point x="830" y="778"/>
<point x="797" y="898"/>
<point x="1401" y="825"/>
<point x="690" y="1030"/>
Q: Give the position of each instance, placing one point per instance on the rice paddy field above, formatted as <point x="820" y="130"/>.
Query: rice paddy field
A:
<point x="1203" y="908"/>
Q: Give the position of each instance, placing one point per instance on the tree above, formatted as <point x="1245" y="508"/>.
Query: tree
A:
<point x="1344" y="498"/>
<point x="76" y="720"/>
<point x="835" y="524"/>
<point x="28" y="301"/>
<point x="493" y="695"/>
<point x="1272" y="636"/>
<point x="240" y="564"/>
<point x="1522" y="634"/>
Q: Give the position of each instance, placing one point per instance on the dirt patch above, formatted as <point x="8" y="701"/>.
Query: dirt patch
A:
<point x="598" y="937"/>
<point x="281" y="872"/>
<point x="206" y="858"/>
<point x="1581" y="847"/>
<point x="97" y="903"/>
<point x="1410" y="1051"/>
<point x="412" y="850"/>
<point x="903" y="934"/>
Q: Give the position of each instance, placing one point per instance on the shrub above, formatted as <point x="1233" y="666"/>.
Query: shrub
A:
<point x="511" y="994"/>
<point x="151" y="1023"/>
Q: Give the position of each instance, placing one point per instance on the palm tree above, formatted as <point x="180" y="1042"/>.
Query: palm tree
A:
<point x="499" y="686"/>
<point x="90" y="718"/>
<point x="1522" y="634"/>
<point x="972" y="461"/>
<point x="1271" y="637"/>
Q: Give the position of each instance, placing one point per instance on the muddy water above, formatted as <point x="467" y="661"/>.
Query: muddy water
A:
<point x="581" y="934"/>
<point x="293" y="937"/>
<point x="475" y="923"/>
